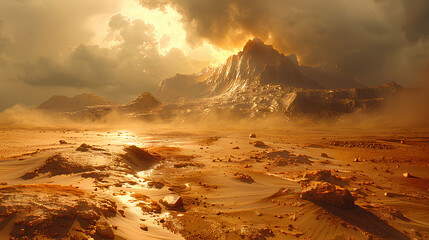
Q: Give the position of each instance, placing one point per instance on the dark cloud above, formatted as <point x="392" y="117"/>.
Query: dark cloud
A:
<point x="362" y="36"/>
<point x="3" y="39"/>
<point x="416" y="23"/>
<point x="128" y="68"/>
<point x="47" y="48"/>
<point x="49" y="27"/>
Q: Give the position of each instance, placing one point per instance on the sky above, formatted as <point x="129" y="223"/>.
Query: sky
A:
<point x="121" y="48"/>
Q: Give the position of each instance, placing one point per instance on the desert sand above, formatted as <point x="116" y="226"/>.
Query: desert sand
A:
<point x="170" y="182"/>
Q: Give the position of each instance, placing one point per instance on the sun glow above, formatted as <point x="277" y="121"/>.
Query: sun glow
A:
<point x="169" y="31"/>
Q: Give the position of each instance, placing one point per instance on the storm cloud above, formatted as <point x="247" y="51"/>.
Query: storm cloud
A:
<point x="133" y="62"/>
<point x="374" y="40"/>
<point x="67" y="47"/>
<point x="47" y="48"/>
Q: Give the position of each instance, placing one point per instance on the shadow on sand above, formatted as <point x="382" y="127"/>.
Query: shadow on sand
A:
<point x="367" y="222"/>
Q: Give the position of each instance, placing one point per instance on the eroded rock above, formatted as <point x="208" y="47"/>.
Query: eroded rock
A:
<point x="244" y="177"/>
<point x="139" y="158"/>
<point x="172" y="202"/>
<point x="259" y="144"/>
<point x="327" y="193"/>
<point x="58" y="165"/>
<point x="105" y="230"/>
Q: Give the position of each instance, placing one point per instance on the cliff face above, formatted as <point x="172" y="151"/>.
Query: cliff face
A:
<point x="257" y="64"/>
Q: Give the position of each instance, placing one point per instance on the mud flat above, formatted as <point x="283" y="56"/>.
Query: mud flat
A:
<point x="165" y="183"/>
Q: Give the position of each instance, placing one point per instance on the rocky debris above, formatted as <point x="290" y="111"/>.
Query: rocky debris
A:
<point x="96" y="175"/>
<point x="252" y="135"/>
<point x="179" y="188"/>
<point x="292" y="231"/>
<point x="327" y="193"/>
<point x="85" y="148"/>
<point x="105" y="230"/>
<point x="259" y="144"/>
<point x="325" y="175"/>
<point x="172" y="202"/>
<point x="146" y="203"/>
<point x="143" y="227"/>
<point x="58" y="165"/>
<point x="361" y="144"/>
<point x="62" y="142"/>
<point x="154" y="184"/>
<point x="324" y="155"/>
<point x="283" y="158"/>
<point x="188" y="164"/>
<point x="408" y="175"/>
<point x="208" y="141"/>
<point x="139" y="158"/>
<point x="244" y="177"/>
<point x="392" y="213"/>
<point x="318" y="175"/>
<point x="41" y="209"/>
<point x="247" y="232"/>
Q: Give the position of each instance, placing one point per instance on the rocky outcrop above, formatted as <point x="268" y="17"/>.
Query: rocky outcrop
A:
<point x="327" y="193"/>
<point x="172" y="202"/>
<point x="139" y="158"/>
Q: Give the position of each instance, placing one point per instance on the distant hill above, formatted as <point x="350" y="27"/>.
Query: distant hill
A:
<point x="76" y="103"/>
<point x="145" y="102"/>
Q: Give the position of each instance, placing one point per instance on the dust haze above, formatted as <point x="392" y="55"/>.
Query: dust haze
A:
<point x="197" y="119"/>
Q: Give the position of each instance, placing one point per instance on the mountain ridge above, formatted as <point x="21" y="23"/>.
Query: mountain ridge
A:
<point x="257" y="64"/>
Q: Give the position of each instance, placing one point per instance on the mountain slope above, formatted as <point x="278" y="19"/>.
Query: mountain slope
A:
<point x="257" y="64"/>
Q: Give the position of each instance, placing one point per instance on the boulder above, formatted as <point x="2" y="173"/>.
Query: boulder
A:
<point x="259" y="144"/>
<point x="105" y="231"/>
<point x="318" y="175"/>
<point x="327" y="193"/>
<point x="172" y="202"/>
<point x="244" y="177"/>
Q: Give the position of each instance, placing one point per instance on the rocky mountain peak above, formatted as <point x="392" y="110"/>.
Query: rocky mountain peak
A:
<point x="258" y="64"/>
<point x="256" y="44"/>
<point x="145" y="101"/>
<point x="258" y="51"/>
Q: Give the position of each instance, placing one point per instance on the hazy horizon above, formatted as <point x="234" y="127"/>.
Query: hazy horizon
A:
<point x="119" y="49"/>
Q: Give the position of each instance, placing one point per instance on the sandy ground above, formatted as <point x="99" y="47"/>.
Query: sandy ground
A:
<point x="230" y="188"/>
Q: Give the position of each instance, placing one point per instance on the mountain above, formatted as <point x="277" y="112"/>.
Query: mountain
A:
<point x="257" y="64"/>
<point x="143" y="103"/>
<point x="76" y="103"/>
<point x="254" y="83"/>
